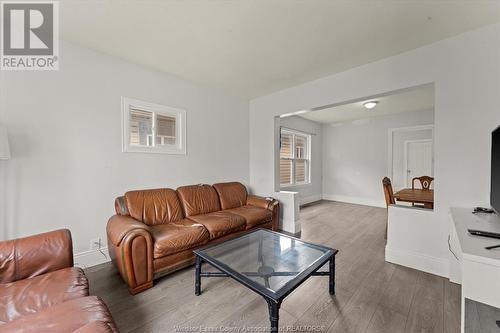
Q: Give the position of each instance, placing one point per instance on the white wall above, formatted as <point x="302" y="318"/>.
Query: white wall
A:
<point x="466" y="72"/>
<point x="65" y="133"/>
<point x="356" y="156"/>
<point x="314" y="191"/>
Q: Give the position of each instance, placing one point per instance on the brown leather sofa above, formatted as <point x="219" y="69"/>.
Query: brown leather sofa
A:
<point x="41" y="291"/>
<point x="154" y="232"/>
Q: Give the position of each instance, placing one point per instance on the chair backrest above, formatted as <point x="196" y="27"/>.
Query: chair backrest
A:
<point x="425" y="182"/>
<point x="389" y="195"/>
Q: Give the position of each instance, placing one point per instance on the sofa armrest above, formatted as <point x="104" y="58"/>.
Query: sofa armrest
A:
<point x="130" y="246"/>
<point x="120" y="225"/>
<point x="267" y="203"/>
<point x="35" y="255"/>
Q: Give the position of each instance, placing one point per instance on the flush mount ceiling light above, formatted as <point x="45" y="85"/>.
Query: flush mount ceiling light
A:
<point x="370" y="105"/>
<point x="301" y="112"/>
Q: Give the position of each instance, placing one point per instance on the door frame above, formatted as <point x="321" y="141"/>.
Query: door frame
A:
<point x="406" y="142"/>
<point x="390" y="143"/>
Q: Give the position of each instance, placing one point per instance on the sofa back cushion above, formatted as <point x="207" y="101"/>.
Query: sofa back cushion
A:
<point x="198" y="199"/>
<point x="231" y="195"/>
<point x="154" y="207"/>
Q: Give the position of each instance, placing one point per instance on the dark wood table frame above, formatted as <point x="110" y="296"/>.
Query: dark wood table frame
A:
<point x="425" y="197"/>
<point x="273" y="299"/>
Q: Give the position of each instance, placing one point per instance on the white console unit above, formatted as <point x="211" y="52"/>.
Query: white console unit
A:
<point x="476" y="268"/>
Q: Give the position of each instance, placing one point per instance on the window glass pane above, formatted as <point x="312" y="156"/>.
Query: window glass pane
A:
<point x="300" y="171"/>
<point x="286" y="145"/>
<point x="165" y="130"/>
<point x="300" y="146"/>
<point x="141" y="128"/>
<point x="285" y="172"/>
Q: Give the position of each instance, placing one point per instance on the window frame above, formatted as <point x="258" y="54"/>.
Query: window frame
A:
<point x="156" y="109"/>
<point x="294" y="160"/>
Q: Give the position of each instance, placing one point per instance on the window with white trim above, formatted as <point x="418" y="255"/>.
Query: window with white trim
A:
<point x="295" y="158"/>
<point x="153" y="128"/>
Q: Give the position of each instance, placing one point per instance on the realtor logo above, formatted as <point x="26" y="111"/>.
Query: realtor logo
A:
<point x="29" y="36"/>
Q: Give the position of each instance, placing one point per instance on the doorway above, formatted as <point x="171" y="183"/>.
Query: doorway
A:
<point x="418" y="159"/>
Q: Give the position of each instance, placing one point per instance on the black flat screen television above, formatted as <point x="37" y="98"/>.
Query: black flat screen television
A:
<point x="495" y="170"/>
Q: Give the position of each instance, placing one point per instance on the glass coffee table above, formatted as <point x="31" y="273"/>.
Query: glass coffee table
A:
<point x="269" y="263"/>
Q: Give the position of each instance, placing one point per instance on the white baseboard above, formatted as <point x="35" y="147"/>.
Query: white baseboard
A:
<point x="311" y="198"/>
<point x="355" y="200"/>
<point x="419" y="261"/>
<point x="91" y="258"/>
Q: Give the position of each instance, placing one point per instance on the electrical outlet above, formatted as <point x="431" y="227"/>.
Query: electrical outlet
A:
<point x="96" y="243"/>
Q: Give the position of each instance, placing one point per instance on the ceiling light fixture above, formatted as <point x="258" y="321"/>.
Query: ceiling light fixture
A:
<point x="370" y="105"/>
<point x="302" y="112"/>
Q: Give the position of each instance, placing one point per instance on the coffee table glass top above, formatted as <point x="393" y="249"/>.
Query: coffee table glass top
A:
<point x="269" y="260"/>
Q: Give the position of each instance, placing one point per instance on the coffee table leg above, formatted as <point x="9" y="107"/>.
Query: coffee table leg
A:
<point x="274" y="309"/>
<point x="331" y="284"/>
<point x="197" y="283"/>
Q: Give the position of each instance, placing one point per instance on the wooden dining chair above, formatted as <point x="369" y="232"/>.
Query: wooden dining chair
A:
<point x="425" y="182"/>
<point x="388" y="193"/>
<point x="389" y="198"/>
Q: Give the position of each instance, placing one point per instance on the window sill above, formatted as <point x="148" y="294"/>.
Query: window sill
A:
<point x="295" y="186"/>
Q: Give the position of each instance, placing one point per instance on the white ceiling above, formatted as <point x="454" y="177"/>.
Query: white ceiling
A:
<point x="252" y="48"/>
<point x="418" y="99"/>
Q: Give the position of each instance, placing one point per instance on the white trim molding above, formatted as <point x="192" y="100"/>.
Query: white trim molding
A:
<point x="91" y="258"/>
<point x="310" y="198"/>
<point x="419" y="261"/>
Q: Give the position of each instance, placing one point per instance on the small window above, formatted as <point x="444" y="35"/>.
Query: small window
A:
<point x="153" y="128"/>
<point x="295" y="158"/>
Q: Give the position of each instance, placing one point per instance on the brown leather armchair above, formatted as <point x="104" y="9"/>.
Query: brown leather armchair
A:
<point x="41" y="291"/>
<point x="154" y="232"/>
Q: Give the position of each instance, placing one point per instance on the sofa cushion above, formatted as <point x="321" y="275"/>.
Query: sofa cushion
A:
<point x="253" y="215"/>
<point x="63" y="317"/>
<point x="154" y="207"/>
<point x="220" y="223"/>
<point x="198" y="199"/>
<point x="231" y="195"/>
<point x="177" y="236"/>
<point x="35" y="294"/>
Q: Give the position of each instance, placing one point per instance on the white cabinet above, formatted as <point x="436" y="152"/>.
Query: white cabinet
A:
<point x="478" y="269"/>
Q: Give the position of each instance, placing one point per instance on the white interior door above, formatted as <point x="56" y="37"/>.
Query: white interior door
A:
<point x="419" y="161"/>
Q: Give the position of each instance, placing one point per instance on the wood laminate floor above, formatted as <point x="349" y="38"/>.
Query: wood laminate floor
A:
<point x="372" y="295"/>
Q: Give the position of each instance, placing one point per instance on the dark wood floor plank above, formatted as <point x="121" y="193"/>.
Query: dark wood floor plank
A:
<point x="385" y="320"/>
<point x="398" y="296"/>
<point x="488" y="317"/>
<point x="427" y="308"/>
<point x="452" y="307"/>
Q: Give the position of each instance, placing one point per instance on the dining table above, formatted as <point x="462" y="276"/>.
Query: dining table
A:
<point x="417" y="196"/>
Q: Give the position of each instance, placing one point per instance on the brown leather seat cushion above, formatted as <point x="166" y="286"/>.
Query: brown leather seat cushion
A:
<point x="35" y="294"/>
<point x="64" y="317"/>
<point x="253" y="215"/>
<point x="177" y="236"/>
<point x="220" y="223"/>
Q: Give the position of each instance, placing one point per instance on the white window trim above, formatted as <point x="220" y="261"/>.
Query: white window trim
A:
<point x="180" y="127"/>
<point x="293" y="159"/>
